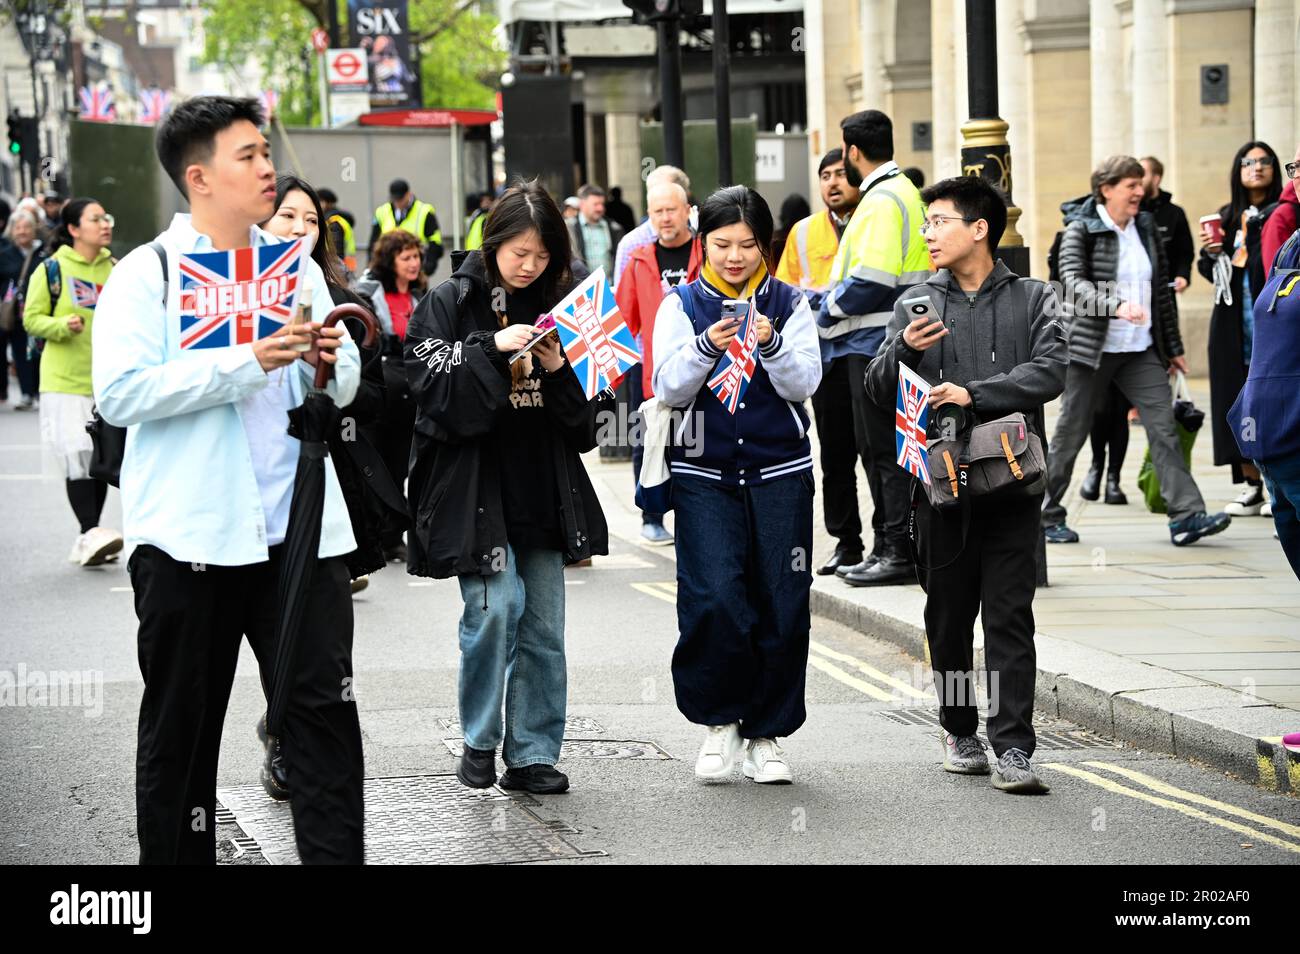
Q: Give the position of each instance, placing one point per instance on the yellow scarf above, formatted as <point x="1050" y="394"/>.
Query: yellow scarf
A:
<point x="724" y="286"/>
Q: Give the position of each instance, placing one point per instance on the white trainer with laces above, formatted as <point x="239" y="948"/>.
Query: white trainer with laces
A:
<point x="717" y="758"/>
<point x="1250" y="503"/>
<point x="99" y="544"/>
<point x="78" y="546"/>
<point x="765" y="762"/>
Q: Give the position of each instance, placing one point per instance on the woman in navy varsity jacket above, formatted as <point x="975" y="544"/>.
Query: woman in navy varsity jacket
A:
<point x="743" y="492"/>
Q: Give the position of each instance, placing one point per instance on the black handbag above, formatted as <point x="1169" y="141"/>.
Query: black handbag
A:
<point x="108" y="440"/>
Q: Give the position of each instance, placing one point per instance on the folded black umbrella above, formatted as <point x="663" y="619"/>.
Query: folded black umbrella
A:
<point x="312" y="423"/>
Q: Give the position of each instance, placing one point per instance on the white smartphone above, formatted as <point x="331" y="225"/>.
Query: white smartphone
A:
<point x="919" y="308"/>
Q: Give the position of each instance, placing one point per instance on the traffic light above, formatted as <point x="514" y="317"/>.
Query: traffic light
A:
<point x="652" y="11"/>
<point x="15" y="123"/>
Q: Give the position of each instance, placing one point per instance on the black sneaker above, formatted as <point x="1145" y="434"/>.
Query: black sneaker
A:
<point x="537" y="779"/>
<point x="274" y="774"/>
<point x="1060" y="533"/>
<point x="1190" y="529"/>
<point x="842" y="557"/>
<point x="477" y="768"/>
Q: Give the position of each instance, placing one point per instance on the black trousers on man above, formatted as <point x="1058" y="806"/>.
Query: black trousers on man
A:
<point x="890" y="485"/>
<point x="192" y="618"/>
<point x="841" y="436"/>
<point x="993" y="575"/>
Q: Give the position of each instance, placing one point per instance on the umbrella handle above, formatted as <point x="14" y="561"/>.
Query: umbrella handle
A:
<point x="324" y="370"/>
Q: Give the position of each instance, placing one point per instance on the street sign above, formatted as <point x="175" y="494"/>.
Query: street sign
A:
<point x="769" y="160"/>
<point x="320" y="40"/>
<point x="347" y="70"/>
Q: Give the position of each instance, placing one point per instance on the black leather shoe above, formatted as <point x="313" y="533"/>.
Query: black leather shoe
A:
<point x="536" y="779"/>
<point x="477" y="768"/>
<point x="841" y="557"/>
<point x="871" y="560"/>
<point x="275" y="778"/>
<point x="1113" y="494"/>
<point x="1090" y="489"/>
<point x="887" y="571"/>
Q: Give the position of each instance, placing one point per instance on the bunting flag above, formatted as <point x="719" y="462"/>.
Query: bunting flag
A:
<point x="596" y="339"/>
<point x="154" y="105"/>
<point x="97" y="104"/>
<point x="911" y="416"/>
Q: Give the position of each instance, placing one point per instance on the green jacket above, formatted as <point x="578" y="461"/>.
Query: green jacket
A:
<point x="65" y="363"/>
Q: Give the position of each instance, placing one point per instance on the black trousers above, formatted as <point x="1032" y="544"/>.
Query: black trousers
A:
<point x="1110" y="426"/>
<point x="890" y="485"/>
<point x="392" y="435"/>
<point x="192" y="618"/>
<point x="993" y="576"/>
<point x="841" y="435"/>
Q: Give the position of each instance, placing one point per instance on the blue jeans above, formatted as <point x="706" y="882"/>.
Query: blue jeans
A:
<point x="1282" y="477"/>
<point x="743" y="578"/>
<point x="513" y="651"/>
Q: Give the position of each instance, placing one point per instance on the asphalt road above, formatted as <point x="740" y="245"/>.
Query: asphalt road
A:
<point x="868" y="786"/>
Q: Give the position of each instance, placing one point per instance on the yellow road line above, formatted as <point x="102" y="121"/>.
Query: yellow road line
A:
<point x="871" y="671"/>
<point x="1187" y="810"/>
<point x="836" y="673"/>
<point x="658" y="591"/>
<point x="1165" y="789"/>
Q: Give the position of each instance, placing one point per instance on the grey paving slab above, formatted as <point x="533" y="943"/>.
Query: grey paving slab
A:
<point x="1261" y="677"/>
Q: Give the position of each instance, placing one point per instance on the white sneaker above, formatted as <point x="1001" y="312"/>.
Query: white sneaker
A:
<point x="99" y="543"/>
<point x="1267" y="509"/>
<point x="717" y="758"/>
<point x="78" y="546"/>
<point x="765" y="762"/>
<point x="1250" y="503"/>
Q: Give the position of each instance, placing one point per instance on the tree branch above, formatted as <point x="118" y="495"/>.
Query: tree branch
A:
<point x="428" y="35"/>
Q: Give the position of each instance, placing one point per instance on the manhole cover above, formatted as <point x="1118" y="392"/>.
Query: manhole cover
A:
<point x="1051" y="733"/>
<point x="418" y="819"/>
<point x="590" y="749"/>
<point x="572" y="724"/>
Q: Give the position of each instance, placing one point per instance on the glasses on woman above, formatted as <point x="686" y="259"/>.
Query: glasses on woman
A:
<point x="936" y="222"/>
<point x="104" y="219"/>
<point x="1264" y="162"/>
<point x="1292" y="169"/>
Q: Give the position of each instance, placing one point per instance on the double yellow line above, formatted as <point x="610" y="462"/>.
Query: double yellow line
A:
<point x="1186" y="804"/>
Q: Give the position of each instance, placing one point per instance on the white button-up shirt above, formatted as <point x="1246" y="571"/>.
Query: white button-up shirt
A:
<point x="208" y="471"/>
<point x="1133" y="278"/>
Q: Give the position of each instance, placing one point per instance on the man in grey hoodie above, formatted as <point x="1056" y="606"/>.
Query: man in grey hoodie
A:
<point x="980" y="355"/>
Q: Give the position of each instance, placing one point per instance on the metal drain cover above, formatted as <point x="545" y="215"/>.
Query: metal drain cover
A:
<point x="574" y="724"/>
<point x="1051" y="733"/>
<point x="418" y="819"/>
<point x="590" y="749"/>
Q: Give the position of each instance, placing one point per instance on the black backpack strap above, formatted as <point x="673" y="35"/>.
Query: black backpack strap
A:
<point x="161" y="251"/>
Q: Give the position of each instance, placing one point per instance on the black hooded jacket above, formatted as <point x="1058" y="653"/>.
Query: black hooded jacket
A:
<point x="462" y="387"/>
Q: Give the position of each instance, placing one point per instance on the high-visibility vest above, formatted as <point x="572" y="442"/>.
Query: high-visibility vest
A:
<point x="349" y="250"/>
<point x="809" y="253"/>
<point x="474" y="238"/>
<point x="414" y="222"/>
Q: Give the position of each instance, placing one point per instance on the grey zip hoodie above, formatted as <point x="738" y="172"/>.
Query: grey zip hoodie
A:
<point x="984" y="350"/>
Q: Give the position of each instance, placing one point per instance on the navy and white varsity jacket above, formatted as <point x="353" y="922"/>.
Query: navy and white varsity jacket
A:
<point x="767" y="437"/>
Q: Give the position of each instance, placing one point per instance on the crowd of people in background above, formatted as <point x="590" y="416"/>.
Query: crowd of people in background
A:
<point x="460" y="457"/>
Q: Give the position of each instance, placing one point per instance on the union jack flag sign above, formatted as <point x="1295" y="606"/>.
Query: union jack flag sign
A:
<point x="238" y="297"/>
<point x="154" y="105"/>
<point x="97" y="104"/>
<point x="736" y="368"/>
<point x="911" y="416"/>
<point x="85" y="294"/>
<point x="595" y="338"/>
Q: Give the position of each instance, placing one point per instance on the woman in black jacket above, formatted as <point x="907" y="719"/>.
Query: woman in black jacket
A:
<point x="1237" y="269"/>
<point x="499" y="495"/>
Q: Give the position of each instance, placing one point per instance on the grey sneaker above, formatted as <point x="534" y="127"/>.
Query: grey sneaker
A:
<point x="1015" y="774"/>
<point x="963" y="755"/>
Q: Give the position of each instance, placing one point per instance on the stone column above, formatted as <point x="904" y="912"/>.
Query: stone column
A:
<point x="1111" y="110"/>
<point x="1152" y="107"/>
<point x="1277" y="78"/>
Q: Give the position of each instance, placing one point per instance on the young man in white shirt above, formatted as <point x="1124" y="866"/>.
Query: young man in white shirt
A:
<point x="207" y="480"/>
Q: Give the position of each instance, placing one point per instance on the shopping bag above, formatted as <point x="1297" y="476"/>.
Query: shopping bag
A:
<point x="1187" y="421"/>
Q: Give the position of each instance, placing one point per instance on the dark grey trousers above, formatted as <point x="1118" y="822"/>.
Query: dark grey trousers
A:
<point x="1144" y="381"/>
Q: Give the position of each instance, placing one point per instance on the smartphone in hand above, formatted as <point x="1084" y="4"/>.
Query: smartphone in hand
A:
<point x="734" y="310"/>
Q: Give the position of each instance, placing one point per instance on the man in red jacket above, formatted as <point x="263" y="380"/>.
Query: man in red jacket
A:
<point x="1285" y="218"/>
<point x="651" y="271"/>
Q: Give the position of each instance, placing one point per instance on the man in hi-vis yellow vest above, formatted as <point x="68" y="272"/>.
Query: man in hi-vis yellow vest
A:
<point x="404" y="211"/>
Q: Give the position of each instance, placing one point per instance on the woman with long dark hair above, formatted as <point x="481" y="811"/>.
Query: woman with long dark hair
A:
<point x="743" y="495"/>
<point x="393" y="285"/>
<point x="1237" y="268"/>
<point x="60" y="308"/>
<point x="500" y="496"/>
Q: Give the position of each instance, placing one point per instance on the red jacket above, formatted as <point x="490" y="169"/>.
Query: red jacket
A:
<point x="639" y="294"/>
<point x="1279" y="226"/>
